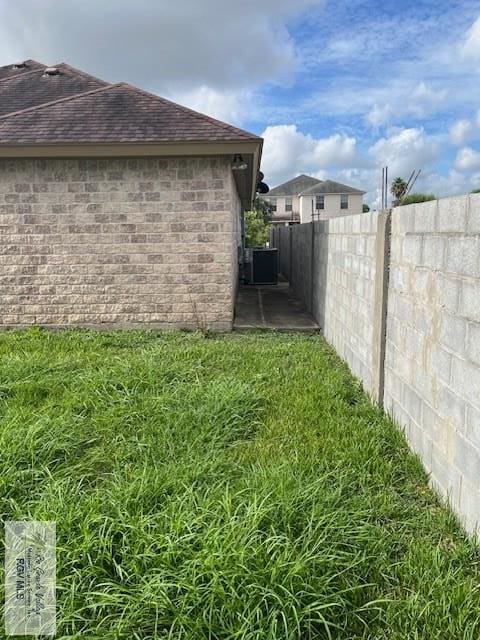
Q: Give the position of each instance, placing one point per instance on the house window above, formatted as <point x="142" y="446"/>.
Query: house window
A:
<point x="288" y="204"/>
<point x="273" y="205"/>
<point x="319" y="202"/>
<point x="344" y="201"/>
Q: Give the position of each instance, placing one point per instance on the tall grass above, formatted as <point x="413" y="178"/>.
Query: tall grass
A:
<point x="238" y="487"/>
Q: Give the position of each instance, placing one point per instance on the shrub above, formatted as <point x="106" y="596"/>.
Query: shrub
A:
<point x="416" y="197"/>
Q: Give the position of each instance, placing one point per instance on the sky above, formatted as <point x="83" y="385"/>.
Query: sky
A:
<point x="337" y="88"/>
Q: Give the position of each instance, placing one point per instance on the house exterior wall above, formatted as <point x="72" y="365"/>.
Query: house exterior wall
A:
<point x="281" y="213"/>
<point x="118" y="242"/>
<point x="332" y="207"/>
<point x="236" y="210"/>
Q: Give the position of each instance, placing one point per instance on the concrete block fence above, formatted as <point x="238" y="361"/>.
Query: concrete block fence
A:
<point x="398" y="295"/>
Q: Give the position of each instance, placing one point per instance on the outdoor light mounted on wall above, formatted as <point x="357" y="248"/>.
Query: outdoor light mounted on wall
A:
<point x="238" y="163"/>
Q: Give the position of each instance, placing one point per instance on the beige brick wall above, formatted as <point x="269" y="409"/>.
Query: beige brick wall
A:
<point x="119" y="242"/>
<point x="236" y="208"/>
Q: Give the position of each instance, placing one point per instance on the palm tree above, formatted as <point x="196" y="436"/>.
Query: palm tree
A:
<point x="398" y="188"/>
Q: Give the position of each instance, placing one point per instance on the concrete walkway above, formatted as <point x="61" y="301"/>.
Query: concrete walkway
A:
<point x="271" y="307"/>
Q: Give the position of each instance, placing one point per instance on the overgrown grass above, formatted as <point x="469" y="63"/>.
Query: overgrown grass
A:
<point x="239" y="487"/>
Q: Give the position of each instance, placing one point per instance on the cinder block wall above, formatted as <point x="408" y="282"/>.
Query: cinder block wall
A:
<point x="344" y="284"/>
<point x="431" y="343"/>
<point x="432" y="374"/>
<point x="117" y="242"/>
<point x="336" y="283"/>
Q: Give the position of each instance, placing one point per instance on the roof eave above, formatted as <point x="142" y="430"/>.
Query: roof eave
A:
<point x="126" y="149"/>
<point x="333" y="193"/>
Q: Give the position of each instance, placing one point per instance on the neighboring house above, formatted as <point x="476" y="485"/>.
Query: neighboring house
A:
<point x="304" y="199"/>
<point x="117" y="207"/>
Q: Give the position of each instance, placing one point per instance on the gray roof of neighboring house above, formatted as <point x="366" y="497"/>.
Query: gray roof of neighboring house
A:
<point x="329" y="186"/>
<point x="293" y="187"/>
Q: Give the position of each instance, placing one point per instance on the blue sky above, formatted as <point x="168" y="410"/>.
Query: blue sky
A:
<point x="395" y="83"/>
<point x="337" y="88"/>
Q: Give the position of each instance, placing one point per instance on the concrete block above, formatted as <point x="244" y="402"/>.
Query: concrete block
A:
<point x="440" y="363"/>
<point x="453" y="331"/>
<point x="451" y="407"/>
<point x="406" y="218"/>
<point x="473" y="343"/>
<point x="469" y="304"/>
<point x="446" y="478"/>
<point x="430" y="421"/>
<point x="421" y="444"/>
<point x="412" y="249"/>
<point x="452" y="214"/>
<point x="469" y="507"/>
<point x="412" y="403"/>
<point x="467" y="458"/>
<point x="463" y="256"/>
<point x="466" y="379"/>
<point x="448" y="292"/>
<point x="473" y="224"/>
<point x="433" y="255"/>
<point x="425" y="215"/>
<point x="472" y="426"/>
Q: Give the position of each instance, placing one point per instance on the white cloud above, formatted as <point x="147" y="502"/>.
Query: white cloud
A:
<point x="461" y="131"/>
<point x="161" y="45"/>
<point x="396" y="67"/>
<point x="227" y="105"/>
<point x="425" y="99"/>
<point x="467" y="160"/>
<point x="378" y="116"/>
<point x="405" y="149"/>
<point x="400" y="99"/>
<point x="470" y="48"/>
<point x="288" y="152"/>
<point x="453" y="183"/>
<point x="383" y="102"/>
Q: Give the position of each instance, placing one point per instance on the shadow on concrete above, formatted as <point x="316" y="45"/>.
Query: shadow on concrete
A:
<point x="274" y="307"/>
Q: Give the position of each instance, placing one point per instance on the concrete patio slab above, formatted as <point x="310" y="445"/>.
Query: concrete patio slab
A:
<point x="271" y="307"/>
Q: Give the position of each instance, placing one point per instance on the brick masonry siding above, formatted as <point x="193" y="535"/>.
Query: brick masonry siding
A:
<point x="118" y="242"/>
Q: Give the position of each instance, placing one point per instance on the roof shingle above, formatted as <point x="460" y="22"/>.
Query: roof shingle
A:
<point x="23" y="91"/>
<point x="329" y="186"/>
<point x="11" y="70"/>
<point x="294" y="186"/>
<point x="74" y="107"/>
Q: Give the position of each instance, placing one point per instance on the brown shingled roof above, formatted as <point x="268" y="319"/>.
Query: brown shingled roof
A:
<point x="25" y="90"/>
<point x="76" y="108"/>
<point x="10" y="70"/>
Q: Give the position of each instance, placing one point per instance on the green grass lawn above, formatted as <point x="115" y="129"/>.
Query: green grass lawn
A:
<point x="238" y="487"/>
